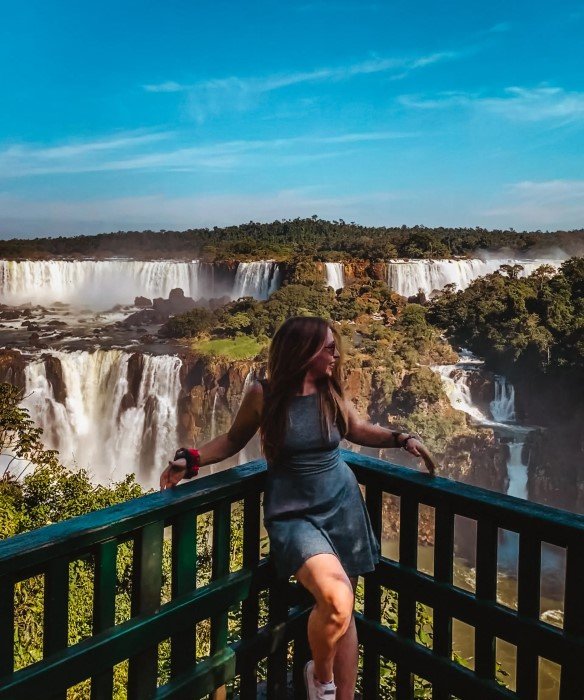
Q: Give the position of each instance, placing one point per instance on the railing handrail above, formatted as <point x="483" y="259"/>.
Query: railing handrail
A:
<point x="562" y="526"/>
<point x="66" y="538"/>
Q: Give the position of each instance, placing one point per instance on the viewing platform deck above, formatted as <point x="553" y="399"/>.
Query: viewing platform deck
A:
<point x="189" y="634"/>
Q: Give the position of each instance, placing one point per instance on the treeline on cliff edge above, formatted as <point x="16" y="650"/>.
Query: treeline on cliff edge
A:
<point x="282" y="240"/>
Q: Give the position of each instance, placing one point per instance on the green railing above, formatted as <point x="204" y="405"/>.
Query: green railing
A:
<point x="95" y="538"/>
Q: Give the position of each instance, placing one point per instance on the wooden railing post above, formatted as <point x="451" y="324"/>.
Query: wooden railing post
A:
<point x="184" y="571"/>
<point x="104" y="608"/>
<point x="6" y="626"/>
<point x="56" y="613"/>
<point x="220" y="568"/>
<point x="250" y="607"/>
<point x="486" y="589"/>
<point x="146" y="585"/>
<point x="571" y="679"/>
<point x="372" y="598"/>
<point x="406" y="606"/>
<point x="443" y="563"/>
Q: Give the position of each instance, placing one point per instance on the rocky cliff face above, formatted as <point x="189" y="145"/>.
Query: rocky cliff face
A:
<point x="211" y="394"/>
<point x="12" y="366"/>
<point x="212" y="389"/>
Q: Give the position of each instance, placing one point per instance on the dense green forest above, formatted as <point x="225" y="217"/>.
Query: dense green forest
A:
<point x="530" y="329"/>
<point x="281" y="240"/>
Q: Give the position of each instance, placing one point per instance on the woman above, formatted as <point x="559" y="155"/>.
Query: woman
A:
<point x="314" y="513"/>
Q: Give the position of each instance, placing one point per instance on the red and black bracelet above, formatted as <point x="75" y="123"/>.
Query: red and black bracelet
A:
<point x="193" y="459"/>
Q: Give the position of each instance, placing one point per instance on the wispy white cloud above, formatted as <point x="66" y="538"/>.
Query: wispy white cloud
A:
<point x="141" y="153"/>
<point x="499" y="28"/>
<point x="540" y="204"/>
<point x="78" y="148"/>
<point x="282" y="80"/>
<point x="543" y="103"/>
<point x="213" y="96"/>
<point x="169" y="86"/>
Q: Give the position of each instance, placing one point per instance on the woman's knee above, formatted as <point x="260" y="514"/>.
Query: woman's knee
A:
<point x="337" y="602"/>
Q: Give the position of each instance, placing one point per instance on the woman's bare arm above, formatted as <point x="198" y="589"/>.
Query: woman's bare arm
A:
<point x="362" y="432"/>
<point x="243" y="428"/>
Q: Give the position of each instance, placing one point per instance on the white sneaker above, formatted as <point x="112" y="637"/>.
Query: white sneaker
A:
<point x="315" y="690"/>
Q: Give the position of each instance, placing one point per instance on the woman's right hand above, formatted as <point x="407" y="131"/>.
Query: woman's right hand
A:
<point x="174" y="473"/>
<point x="418" y="449"/>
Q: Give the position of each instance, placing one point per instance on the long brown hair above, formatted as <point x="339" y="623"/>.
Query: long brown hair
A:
<point x="294" y="345"/>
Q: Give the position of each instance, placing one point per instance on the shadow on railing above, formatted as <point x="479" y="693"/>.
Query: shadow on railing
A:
<point x="255" y="625"/>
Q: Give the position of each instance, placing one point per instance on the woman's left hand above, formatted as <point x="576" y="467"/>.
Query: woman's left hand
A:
<point x="418" y="449"/>
<point x="174" y="473"/>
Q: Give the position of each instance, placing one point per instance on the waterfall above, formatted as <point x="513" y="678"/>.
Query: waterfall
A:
<point x="249" y="378"/>
<point x="408" y="277"/>
<point x="516" y="471"/>
<point x="455" y="383"/>
<point x="503" y="405"/>
<point x="256" y="279"/>
<point x="99" y="284"/>
<point x="335" y="275"/>
<point x="98" y="427"/>
<point x="214" y="416"/>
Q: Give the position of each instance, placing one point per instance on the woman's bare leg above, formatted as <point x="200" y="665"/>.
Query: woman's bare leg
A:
<point x="331" y="617"/>
<point x="347" y="660"/>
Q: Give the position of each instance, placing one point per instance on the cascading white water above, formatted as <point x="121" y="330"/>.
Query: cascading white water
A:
<point x="335" y="275"/>
<point x="408" y="277"/>
<point x="248" y="452"/>
<point x="516" y="471"/>
<point x="93" y="429"/>
<point x="503" y="405"/>
<point x="455" y="383"/>
<point x="256" y="279"/>
<point x="99" y="284"/>
<point x="214" y="416"/>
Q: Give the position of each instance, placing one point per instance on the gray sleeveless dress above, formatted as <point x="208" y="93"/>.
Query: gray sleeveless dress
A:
<point x="312" y="501"/>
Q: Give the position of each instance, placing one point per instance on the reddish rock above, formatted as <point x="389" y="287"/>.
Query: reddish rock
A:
<point x="12" y="368"/>
<point x="135" y="373"/>
<point x="54" y="372"/>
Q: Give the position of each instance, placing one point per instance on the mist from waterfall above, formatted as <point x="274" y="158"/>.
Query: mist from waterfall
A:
<point x="95" y="428"/>
<point x="335" y="275"/>
<point x="99" y="284"/>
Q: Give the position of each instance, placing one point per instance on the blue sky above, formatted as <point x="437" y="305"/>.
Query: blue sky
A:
<point x="182" y="114"/>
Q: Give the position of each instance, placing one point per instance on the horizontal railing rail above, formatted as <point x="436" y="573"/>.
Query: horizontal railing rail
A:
<point x="257" y="624"/>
